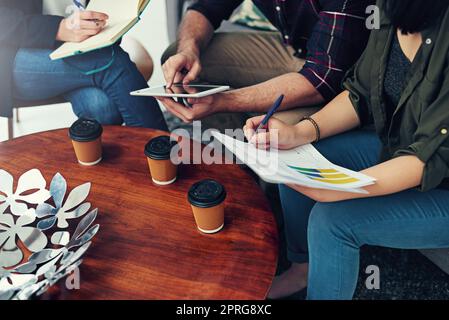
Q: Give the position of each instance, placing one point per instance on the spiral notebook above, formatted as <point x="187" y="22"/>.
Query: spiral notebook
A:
<point x="123" y="15"/>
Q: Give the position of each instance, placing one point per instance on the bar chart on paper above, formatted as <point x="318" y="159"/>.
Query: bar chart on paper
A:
<point x="331" y="176"/>
<point x="303" y="165"/>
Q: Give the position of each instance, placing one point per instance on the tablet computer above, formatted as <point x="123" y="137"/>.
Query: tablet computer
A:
<point x="181" y="91"/>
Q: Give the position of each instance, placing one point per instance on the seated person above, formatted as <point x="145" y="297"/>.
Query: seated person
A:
<point x="408" y="207"/>
<point x="306" y="60"/>
<point x="31" y="30"/>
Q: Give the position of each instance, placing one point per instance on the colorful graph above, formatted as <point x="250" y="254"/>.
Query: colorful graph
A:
<point x="331" y="176"/>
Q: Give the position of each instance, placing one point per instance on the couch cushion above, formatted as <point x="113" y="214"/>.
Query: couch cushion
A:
<point x="249" y="15"/>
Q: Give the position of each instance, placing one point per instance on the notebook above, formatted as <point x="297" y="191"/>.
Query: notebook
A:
<point x="303" y="166"/>
<point x="123" y="15"/>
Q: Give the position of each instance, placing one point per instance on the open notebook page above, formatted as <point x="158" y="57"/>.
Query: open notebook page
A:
<point x="107" y="36"/>
<point x="116" y="10"/>
<point x="122" y="15"/>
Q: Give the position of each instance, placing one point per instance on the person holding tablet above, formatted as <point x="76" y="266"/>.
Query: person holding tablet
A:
<point x="317" y="42"/>
<point x="97" y="83"/>
<point x="408" y="206"/>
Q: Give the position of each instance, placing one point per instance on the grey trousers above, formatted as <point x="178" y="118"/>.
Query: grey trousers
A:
<point x="241" y="59"/>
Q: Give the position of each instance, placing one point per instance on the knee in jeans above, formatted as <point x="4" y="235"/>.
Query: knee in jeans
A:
<point x="325" y="218"/>
<point x="121" y="58"/>
<point x="98" y="106"/>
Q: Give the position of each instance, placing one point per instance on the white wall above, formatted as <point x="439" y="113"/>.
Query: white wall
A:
<point x="152" y="33"/>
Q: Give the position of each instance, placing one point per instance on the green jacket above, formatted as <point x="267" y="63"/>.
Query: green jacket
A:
<point x="420" y="124"/>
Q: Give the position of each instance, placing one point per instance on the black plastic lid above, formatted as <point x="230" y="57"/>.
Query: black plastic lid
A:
<point x="159" y="148"/>
<point x="207" y="194"/>
<point x="85" y="130"/>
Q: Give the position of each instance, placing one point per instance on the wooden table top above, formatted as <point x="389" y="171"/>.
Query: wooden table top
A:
<point x="148" y="246"/>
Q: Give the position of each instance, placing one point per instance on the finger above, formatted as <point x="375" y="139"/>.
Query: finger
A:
<point x="185" y="113"/>
<point x="189" y="89"/>
<point x="88" y="32"/>
<point x="261" y="138"/>
<point x="193" y="73"/>
<point x="254" y="122"/>
<point x="261" y="146"/>
<point x="165" y="73"/>
<point x="249" y="133"/>
<point x="178" y="77"/>
<point x="93" y="15"/>
<point x="176" y="89"/>
<point x="204" y="100"/>
<point x="176" y="114"/>
<point x="172" y="67"/>
<point x="94" y="25"/>
<point x="249" y="130"/>
<point x="168" y="106"/>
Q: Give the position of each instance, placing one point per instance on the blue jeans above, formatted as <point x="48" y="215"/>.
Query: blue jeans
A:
<point x="103" y="96"/>
<point x="329" y="235"/>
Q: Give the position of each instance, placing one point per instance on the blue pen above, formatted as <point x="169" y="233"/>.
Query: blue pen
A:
<point x="270" y="113"/>
<point x="79" y="5"/>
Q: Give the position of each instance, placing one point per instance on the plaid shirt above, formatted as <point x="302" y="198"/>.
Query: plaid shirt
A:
<point x="329" y="34"/>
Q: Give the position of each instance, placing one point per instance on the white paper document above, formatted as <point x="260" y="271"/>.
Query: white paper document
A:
<point x="303" y="166"/>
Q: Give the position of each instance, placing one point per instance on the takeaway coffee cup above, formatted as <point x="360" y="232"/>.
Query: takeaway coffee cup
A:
<point x="86" y="139"/>
<point x="158" y="150"/>
<point x="207" y="200"/>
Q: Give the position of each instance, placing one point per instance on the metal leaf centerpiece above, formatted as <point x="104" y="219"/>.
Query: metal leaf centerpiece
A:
<point x="36" y="246"/>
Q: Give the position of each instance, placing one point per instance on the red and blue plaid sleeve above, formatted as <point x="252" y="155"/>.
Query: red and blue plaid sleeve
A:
<point x="337" y="41"/>
<point x="216" y="10"/>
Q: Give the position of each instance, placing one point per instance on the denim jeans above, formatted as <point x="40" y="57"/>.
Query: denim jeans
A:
<point x="329" y="235"/>
<point x="103" y="96"/>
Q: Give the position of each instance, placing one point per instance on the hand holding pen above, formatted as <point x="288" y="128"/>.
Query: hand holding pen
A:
<point x="81" y="25"/>
<point x="267" y="132"/>
<point x="270" y="113"/>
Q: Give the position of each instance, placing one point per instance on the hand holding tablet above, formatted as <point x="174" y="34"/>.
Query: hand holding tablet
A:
<point x="181" y="91"/>
<point x="187" y="102"/>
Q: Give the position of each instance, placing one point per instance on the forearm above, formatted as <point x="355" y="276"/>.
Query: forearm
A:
<point x="195" y="32"/>
<point x="393" y="176"/>
<point x="336" y="117"/>
<point x="297" y="89"/>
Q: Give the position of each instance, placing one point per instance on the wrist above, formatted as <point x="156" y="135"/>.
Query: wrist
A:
<point x="305" y="132"/>
<point x="189" y="47"/>
<point x="221" y="102"/>
<point x="229" y="101"/>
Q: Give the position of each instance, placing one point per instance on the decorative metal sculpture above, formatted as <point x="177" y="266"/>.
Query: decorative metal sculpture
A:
<point x="36" y="250"/>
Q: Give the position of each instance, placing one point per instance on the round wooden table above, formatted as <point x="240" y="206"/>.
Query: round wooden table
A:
<point x="148" y="246"/>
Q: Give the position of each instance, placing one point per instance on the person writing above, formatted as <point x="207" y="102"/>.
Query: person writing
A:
<point x="317" y="42"/>
<point x="97" y="84"/>
<point x="408" y="206"/>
